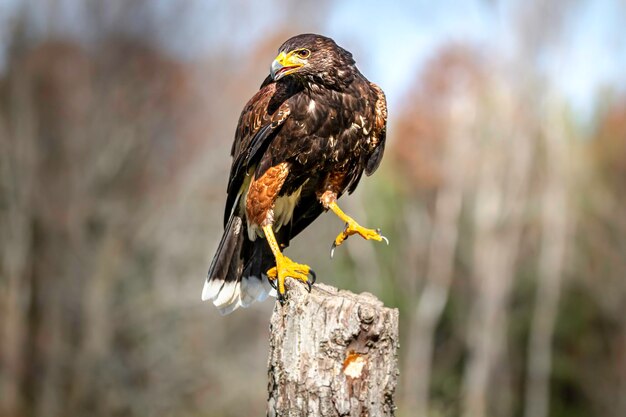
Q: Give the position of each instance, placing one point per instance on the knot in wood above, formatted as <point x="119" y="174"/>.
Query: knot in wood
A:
<point x="333" y="353"/>
<point x="366" y="314"/>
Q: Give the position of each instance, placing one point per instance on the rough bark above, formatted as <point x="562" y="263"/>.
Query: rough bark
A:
<point x="332" y="353"/>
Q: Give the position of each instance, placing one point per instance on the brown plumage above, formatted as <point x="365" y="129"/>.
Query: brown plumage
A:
<point x="312" y="129"/>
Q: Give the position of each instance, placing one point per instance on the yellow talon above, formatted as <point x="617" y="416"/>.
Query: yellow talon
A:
<point x="285" y="267"/>
<point x="352" y="228"/>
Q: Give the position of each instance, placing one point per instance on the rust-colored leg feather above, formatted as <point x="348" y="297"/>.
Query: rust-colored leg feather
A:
<point x="260" y="204"/>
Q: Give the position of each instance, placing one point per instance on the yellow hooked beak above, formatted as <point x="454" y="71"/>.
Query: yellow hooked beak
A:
<point x="285" y="64"/>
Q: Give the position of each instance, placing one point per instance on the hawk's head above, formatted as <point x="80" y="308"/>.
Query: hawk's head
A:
<point x="313" y="58"/>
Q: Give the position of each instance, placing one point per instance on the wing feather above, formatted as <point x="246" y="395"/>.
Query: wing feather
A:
<point x="380" y="131"/>
<point x="261" y="119"/>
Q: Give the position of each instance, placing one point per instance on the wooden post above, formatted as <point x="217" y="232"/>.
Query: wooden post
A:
<point x="332" y="353"/>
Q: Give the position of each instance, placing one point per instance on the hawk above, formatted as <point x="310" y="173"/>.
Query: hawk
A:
<point x="302" y="141"/>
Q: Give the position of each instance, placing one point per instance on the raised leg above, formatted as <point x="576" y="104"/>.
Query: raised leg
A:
<point x="329" y="201"/>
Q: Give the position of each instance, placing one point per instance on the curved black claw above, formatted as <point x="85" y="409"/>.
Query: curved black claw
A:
<point x="281" y="298"/>
<point x="343" y="239"/>
<point x="273" y="284"/>
<point x="382" y="237"/>
<point x="332" y="249"/>
<point x="309" y="282"/>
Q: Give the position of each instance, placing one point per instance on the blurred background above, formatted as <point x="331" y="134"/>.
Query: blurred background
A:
<point x="502" y="191"/>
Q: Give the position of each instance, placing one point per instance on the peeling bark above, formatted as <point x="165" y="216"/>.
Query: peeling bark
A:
<point x="332" y="353"/>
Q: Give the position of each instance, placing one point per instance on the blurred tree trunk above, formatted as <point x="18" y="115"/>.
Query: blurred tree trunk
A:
<point x="17" y="182"/>
<point x="501" y="199"/>
<point x="555" y="227"/>
<point x="332" y="353"/>
<point x="441" y="260"/>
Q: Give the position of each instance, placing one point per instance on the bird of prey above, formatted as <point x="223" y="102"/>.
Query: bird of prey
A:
<point x="304" y="139"/>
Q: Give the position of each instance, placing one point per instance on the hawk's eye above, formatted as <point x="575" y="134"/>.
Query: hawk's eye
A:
<point x="303" y="53"/>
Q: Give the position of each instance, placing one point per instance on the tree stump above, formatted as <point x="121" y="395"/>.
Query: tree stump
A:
<point x="332" y="353"/>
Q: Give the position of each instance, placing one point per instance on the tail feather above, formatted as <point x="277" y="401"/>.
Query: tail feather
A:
<point x="237" y="276"/>
<point x="255" y="285"/>
<point x="221" y="283"/>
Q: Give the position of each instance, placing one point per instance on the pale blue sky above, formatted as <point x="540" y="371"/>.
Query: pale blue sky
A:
<point x="590" y="54"/>
<point x="389" y="39"/>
